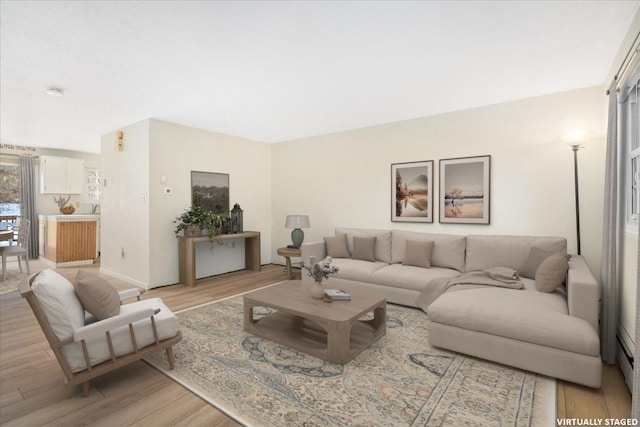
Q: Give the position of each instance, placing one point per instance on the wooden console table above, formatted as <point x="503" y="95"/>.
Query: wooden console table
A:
<point x="187" y="253"/>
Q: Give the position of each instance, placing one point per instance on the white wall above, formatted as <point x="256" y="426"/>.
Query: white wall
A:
<point x="177" y="150"/>
<point x="343" y="179"/>
<point x="125" y="205"/>
<point x="138" y="216"/>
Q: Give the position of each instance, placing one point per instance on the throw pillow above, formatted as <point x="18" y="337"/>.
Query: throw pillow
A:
<point x="337" y="246"/>
<point x="97" y="296"/>
<point x="364" y="248"/>
<point x="552" y="272"/>
<point x="536" y="256"/>
<point x="418" y="253"/>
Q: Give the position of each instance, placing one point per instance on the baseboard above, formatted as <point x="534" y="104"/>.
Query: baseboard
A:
<point x="125" y="278"/>
<point x="626" y="363"/>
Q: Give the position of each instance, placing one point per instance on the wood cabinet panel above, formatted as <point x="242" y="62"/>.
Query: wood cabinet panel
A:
<point x="76" y="241"/>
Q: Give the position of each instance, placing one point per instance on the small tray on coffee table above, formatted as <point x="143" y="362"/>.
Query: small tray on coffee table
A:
<point x="332" y="332"/>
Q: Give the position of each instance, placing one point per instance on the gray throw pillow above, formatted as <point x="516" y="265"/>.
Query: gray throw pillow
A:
<point x="364" y="248"/>
<point x="418" y="253"/>
<point x="337" y="246"/>
<point x="97" y="295"/>
<point x="536" y="256"/>
<point x="552" y="272"/>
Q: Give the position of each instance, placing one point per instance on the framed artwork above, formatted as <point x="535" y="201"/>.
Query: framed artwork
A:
<point x="464" y="190"/>
<point x="412" y="191"/>
<point x="210" y="191"/>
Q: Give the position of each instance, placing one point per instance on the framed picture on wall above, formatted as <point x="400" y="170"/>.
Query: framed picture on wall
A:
<point x="412" y="191"/>
<point x="210" y="191"/>
<point x="464" y="190"/>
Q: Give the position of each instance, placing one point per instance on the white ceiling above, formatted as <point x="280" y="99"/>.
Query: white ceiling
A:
<point x="280" y="70"/>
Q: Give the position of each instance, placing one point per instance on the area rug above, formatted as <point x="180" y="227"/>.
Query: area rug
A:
<point x="398" y="381"/>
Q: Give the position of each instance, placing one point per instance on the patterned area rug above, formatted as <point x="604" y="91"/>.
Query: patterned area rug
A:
<point x="399" y="381"/>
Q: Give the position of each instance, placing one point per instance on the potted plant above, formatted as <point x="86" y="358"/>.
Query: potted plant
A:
<point x="196" y="221"/>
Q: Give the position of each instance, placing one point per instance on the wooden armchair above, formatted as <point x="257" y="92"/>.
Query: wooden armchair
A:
<point x="85" y="348"/>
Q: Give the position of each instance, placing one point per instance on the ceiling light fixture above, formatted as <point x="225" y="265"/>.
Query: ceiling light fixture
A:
<point x="54" y="91"/>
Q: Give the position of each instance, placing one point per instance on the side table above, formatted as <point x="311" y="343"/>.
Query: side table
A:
<point x="287" y="253"/>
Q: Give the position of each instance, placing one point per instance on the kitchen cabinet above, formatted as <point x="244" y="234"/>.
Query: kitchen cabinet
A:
<point x="68" y="240"/>
<point x="61" y="175"/>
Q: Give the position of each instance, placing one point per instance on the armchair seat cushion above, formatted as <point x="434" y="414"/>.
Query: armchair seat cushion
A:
<point x="98" y="347"/>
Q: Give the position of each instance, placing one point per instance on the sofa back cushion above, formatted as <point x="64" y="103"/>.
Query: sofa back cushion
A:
<point x="59" y="303"/>
<point x="448" y="250"/>
<point x="507" y="251"/>
<point x="382" y="249"/>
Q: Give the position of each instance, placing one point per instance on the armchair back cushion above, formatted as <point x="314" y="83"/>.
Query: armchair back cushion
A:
<point x="59" y="303"/>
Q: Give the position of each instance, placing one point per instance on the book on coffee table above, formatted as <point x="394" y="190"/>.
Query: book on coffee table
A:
<point x="337" y="294"/>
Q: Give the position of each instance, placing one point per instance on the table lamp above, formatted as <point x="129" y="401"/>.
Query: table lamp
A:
<point x="297" y="222"/>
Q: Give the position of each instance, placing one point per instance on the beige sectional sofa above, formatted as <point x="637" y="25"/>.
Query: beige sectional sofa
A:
<point x="552" y="333"/>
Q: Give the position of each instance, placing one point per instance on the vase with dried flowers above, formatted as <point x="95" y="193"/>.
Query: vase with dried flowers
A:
<point x="62" y="203"/>
<point x="319" y="271"/>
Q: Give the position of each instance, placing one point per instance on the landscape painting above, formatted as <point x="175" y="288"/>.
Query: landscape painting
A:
<point x="210" y="191"/>
<point x="412" y="191"/>
<point x="464" y="190"/>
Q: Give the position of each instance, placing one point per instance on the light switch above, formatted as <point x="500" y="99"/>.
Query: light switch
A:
<point x="163" y="179"/>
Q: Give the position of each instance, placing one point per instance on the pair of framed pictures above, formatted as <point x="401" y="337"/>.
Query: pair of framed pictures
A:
<point x="464" y="191"/>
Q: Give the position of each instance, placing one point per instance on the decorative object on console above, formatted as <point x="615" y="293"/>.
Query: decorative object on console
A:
<point x="210" y="191"/>
<point x="465" y="190"/>
<point x="62" y="201"/>
<point x="236" y="219"/>
<point x="319" y="271"/>
<point x="412" y="191"/>
<point x="194" y="221"/>
<point x="297" y="222"/>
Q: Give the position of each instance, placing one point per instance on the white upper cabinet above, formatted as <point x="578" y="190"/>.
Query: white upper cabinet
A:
<point x="61" y="175"/>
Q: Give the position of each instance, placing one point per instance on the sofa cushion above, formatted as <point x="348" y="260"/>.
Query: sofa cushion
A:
<point x="529" y="316"/>
<point x="97" y="295"/>
<point x="337" y="246"/>
<point x="364" y="248"/>
<point x="409" y="277"/>
<point x="552" y="272"/>
<point x="507" y="251"/>
<point x="448" y="250"/>
<point x="383" y="241"/>
<point x="535" y="258"/>
<point x="355" y="269"/>
<point x="418" y="253"/>
<point x="59" y="303"/>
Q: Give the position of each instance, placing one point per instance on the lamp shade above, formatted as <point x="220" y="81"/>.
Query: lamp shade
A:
<point x="297" y="221"/>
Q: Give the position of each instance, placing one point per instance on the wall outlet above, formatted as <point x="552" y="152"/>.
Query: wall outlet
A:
<point x="167" y="191"/>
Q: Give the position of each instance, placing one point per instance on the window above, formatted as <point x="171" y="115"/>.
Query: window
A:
<point x="630" y="140"/>
<point x="9" y="189"/>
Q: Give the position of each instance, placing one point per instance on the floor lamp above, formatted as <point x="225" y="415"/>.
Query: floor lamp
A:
<point x="575" y="149"/>
<point x="576" y="142"/>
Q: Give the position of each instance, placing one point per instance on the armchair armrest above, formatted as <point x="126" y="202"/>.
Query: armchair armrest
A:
<point x="317" y="249"/>
<point x="583" y="292"/>
<point x="103" y="326"/>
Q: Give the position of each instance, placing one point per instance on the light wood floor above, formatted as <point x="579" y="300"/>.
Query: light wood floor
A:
<point x="32" y="392"/>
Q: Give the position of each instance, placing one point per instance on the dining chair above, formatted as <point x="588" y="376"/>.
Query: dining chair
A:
<point x="21" y="249"/>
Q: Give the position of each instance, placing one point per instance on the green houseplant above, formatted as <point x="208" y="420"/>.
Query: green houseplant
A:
<point x="195" y="221"/>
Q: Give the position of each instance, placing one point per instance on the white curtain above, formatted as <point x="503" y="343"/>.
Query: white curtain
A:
<point x="608" y="264"/>
<point x="635" y="404"/>
<point x="28" y="198"/>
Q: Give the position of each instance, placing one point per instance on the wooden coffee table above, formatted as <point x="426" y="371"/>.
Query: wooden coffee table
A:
<point x="330" y="331"/>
